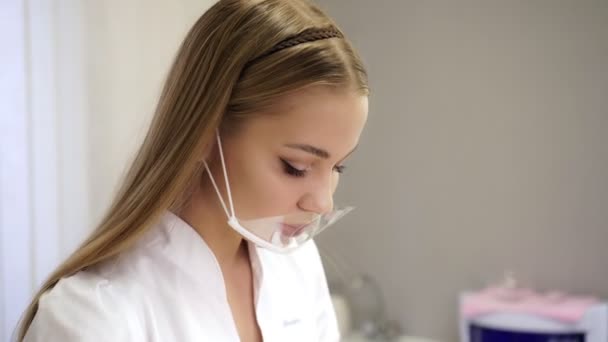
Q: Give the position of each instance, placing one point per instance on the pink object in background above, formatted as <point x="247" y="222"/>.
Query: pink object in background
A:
<point x="504" y="299"/>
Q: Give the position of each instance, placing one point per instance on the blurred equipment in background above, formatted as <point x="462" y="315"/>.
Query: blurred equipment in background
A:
<point x="515" y="314"/>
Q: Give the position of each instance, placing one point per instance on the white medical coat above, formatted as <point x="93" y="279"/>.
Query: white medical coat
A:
<point x="169" y="287"/>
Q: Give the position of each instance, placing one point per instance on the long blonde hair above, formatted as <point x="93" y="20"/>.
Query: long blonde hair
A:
<point x="222" y="74"/>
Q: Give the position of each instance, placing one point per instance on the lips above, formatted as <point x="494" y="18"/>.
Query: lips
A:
<point x="292" y="229"/>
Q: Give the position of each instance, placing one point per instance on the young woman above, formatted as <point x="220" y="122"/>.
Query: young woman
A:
<point x="209" y="238"/>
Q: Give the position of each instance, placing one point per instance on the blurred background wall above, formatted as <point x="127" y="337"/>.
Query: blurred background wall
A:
<point x="486" y="150"/>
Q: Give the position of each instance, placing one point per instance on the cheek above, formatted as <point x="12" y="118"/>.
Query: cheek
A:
<point x="263" y="190"/>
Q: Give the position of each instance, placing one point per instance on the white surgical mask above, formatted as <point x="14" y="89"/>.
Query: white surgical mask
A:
<point x="282" y="233"/>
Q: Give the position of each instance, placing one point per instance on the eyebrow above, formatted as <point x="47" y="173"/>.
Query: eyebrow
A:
<point x="321" y="153"/>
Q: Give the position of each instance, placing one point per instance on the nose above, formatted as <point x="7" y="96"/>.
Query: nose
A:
<point x="319" y="199"/>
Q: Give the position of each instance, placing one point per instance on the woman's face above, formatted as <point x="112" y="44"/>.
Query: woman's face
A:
<point x="289" y="160"/>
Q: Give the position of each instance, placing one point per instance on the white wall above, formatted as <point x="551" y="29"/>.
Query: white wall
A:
<point x="486" y="150"/>
<point x="42" y="106"/>
<point x="78" y="85"/>
<point x="14" y="187"/>
<point x="130" y="47"/>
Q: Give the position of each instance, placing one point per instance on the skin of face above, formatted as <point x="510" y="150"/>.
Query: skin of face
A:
<point x="283" y="161"/>
<point x="289" y="159"/>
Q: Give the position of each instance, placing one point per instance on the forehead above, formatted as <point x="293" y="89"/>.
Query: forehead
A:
<point x="330" y="118"/>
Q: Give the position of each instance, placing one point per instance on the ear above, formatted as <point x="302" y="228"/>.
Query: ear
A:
<point x="209" y="153"/>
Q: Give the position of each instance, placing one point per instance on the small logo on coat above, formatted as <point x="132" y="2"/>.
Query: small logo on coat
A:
<point x="291" y="322"/>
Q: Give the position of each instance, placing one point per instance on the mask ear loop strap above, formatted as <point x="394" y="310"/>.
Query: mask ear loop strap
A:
<point x="219" y="142"/>
<point x="217" y="190"/>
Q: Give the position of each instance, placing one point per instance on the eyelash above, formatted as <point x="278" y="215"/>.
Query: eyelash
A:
<point x="295" y="172"/>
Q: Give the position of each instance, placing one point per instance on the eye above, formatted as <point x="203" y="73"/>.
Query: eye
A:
<point x="339" y="168"/>
<point x="291" y="170"/>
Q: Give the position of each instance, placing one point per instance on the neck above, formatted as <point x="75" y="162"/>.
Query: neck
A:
<point x="209" y="220"/>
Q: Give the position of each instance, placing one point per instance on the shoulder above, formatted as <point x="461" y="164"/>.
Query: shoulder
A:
<point x="83" y="307"/>
<point x="110" y="301"/>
